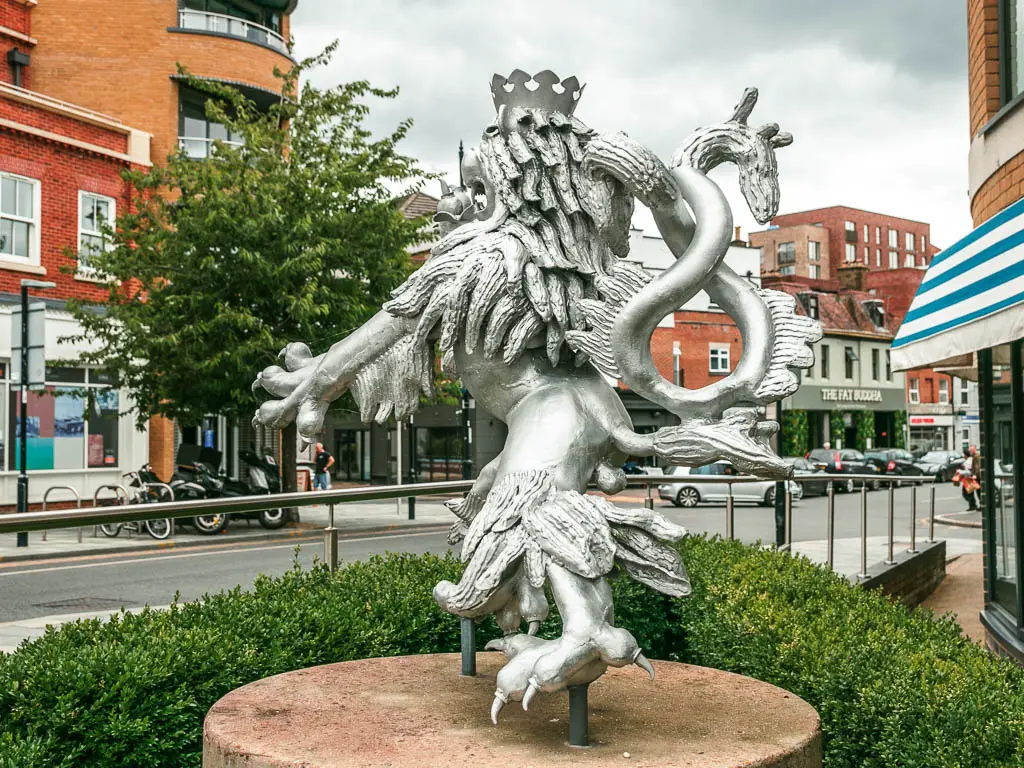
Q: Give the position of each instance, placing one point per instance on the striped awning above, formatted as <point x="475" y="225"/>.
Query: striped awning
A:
<point x="971" y="298"/>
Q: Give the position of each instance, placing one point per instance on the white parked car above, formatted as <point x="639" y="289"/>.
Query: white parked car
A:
<point x="688" y="494"/>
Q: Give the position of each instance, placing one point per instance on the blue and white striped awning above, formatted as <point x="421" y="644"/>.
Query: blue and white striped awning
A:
<point x="971" y="298"/>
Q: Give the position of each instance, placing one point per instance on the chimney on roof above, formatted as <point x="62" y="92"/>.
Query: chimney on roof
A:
<point x="853" y="277"/>
<point x="737" y="239"/>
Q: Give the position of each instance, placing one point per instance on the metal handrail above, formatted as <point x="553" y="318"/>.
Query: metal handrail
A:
<point x="229" y="24"/>
<point x="63" y="518"/>
<point x="833" y="476"/>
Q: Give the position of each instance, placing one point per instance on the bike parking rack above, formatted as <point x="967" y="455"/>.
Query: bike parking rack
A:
<point x="120" y="493"/>
<point x="78" y="503"/>
<point x="164" y="487"/>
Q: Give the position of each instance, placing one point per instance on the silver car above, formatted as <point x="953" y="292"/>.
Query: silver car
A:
<point x="716" y="488"/>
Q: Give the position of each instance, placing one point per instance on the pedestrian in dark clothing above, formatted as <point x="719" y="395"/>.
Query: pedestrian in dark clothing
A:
<point x="970" y="475"/>
<point x="323" y="461"/>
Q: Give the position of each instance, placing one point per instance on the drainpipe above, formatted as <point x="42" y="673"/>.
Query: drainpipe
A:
<point x="18" y="60"/>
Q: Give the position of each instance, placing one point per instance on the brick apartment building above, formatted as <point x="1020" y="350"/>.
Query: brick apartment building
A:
<point x="815" y="245"/>
<point x="88" y="89"/>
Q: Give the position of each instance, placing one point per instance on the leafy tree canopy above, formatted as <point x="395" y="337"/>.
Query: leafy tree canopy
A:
<point x="291" y="234"/>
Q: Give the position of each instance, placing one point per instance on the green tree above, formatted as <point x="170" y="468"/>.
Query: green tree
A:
<point x="865" y="423"/>
<point x="293" y="234"/>
<point x="794" y="433"/>
<point x="836" y="427"/>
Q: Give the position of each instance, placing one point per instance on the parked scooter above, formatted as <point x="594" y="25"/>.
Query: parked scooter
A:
<point x="193" y="480"/>
<point x="264" y="478"/>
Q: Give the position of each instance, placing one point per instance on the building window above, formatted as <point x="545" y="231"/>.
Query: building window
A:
<point x="238" y="19"/>
<point x="851" y="252"/>
<point x="943" y="392"/>
<point x="915" y="391"/>
<point x="875" y="364"/>
<point x="786" y="253"/>
<point x="824" y="362"/>
<point x="888" y="366"/>
<point x="908" y="260"/>
<point x="866" y="239"/>
<point x="894" y="238"/>
<point x="878" y="235"/>
<point x="815" y="271"/>
<point x="19" y="218"/>
<point x="1012" y="79"/>
<point x="924" y="243"/>
<point x="72" y="424"/>
<point x="813" y="250"/>
<point x="878" y="257"/>
<point x="810" y="302"/>
<point x="851" y="232"/>
<point x="790" y="270"/>
<point x="850" y="357"/>
<point x="850" y="227"/>
<point x="894" y="259"/>
<point x="196" y="132"/>
<point x="95" y="214"/>
<point x="866" y="255"/>
<point x="909" y="239"/>
<point x="718" y="356"/>
<point x="964" y="392"/>
<point x="965" y="437"/>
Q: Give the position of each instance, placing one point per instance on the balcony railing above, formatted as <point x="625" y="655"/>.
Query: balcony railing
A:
<point x="229" y="25"/>
<point x="201" y="148"/>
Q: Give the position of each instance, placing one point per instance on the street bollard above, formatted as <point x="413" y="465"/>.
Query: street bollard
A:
<point x="649" y="502"/>
<point x="889" y="560"/>
<point x="863" y="532"/>
<point x="931" y="515"/>
<point x="789" y="519"/>
<point x="913" y="519"/>
<point x="729" y="517"/>
<point x="412" y="507"/>
<point x="831" y="525"/>
<point x="331" y="541"/>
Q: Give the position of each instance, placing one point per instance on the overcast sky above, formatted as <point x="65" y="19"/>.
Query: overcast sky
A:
<point x="874" y="91"/>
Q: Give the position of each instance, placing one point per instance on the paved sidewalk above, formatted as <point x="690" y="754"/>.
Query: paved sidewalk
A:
<point x="961" y="594"/>
<point x="13" y="633"/>
<point x="846" y="560"/>
<point x="348" y="518"/>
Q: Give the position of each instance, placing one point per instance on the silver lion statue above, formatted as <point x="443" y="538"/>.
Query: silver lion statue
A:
<point x="529" y="301"/>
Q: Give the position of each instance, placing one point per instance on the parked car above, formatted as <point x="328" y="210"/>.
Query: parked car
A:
<point x="812" y="480"/>
<point x="896" y="462"/>
<point x="688" y="494"/>
<point x="843" y="461"/>
<point x="941" y="464"/>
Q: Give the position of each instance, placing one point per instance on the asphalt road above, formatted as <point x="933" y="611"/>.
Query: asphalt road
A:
<point x="70" y="585"/>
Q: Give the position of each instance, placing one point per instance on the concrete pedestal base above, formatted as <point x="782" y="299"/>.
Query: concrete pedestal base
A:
<point x="418" y="711"/>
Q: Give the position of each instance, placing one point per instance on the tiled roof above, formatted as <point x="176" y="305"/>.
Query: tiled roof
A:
<point x="842" y="312"/>
<point x="418" y="204"/>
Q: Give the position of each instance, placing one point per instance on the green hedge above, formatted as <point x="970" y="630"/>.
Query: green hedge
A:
<point x="893" y="687"/>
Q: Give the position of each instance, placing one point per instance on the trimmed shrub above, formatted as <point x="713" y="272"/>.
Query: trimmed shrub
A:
<point x="893" y="687"/>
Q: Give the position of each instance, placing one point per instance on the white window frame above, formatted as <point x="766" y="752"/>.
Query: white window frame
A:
<point x="851" y="227"/>
<point x="851" y="252"/>
<point x="813" y="250"/>
<point x="908" y="260"/>
<point x="908" y="239"/>
<point x="913" y="391"/>
<point x="965" y="392"/>
<point x="924" y="244"/>
<point x="878" y="257"/>
<point x="718" y="355"/>
<point x="789" y="269"/>
<point x="878" y="235"/>
<point x="814" y="271"/>
<point x="84" y="268"/>
<point x="866" y="232"/>
<point x="894" y="238"/>
<point x="943" y="392"/>
<point x="894" y="259"/>
<point x="35" y="222"/>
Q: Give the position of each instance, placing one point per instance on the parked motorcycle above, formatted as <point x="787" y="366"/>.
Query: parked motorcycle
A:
<point x="193" y="480"/>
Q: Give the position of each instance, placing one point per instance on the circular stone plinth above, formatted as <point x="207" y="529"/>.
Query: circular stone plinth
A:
<point x="418" y="711"/>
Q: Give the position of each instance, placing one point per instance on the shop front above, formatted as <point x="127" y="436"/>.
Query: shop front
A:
<point x="933" y="432"/>
<point x="850" y="417"/>
<point x="967" y="320"/>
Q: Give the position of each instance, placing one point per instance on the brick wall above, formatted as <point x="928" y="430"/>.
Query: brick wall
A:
<point x="1002" y="188"/>
<point x="913" y="577"/>
<point x="62" y="171"/>
<point x="64" y="125"/>
<point x="834" y="220"/>
<point x="983" y="61"/>
<point x="161" y="447"/>
<point x="16" y="15"/>
<point x="800" y="235"/>
<point x="118" y="58"/>
<point x="695" y="331"/>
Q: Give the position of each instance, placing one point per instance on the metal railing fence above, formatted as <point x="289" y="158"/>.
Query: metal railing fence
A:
<point x="97" y="515"/>
<point x="208" y="21"/>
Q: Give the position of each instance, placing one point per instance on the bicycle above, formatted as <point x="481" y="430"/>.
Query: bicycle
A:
<point x="158" y="529"/>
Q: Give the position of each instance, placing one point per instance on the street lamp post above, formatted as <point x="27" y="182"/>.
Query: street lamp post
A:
<point x="23" y="407"/>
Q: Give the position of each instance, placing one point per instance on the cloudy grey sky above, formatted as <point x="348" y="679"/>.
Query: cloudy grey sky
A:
<point x="875" y="91"/>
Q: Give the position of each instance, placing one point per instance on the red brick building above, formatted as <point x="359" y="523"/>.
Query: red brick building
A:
<point x="87" y="90"/>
